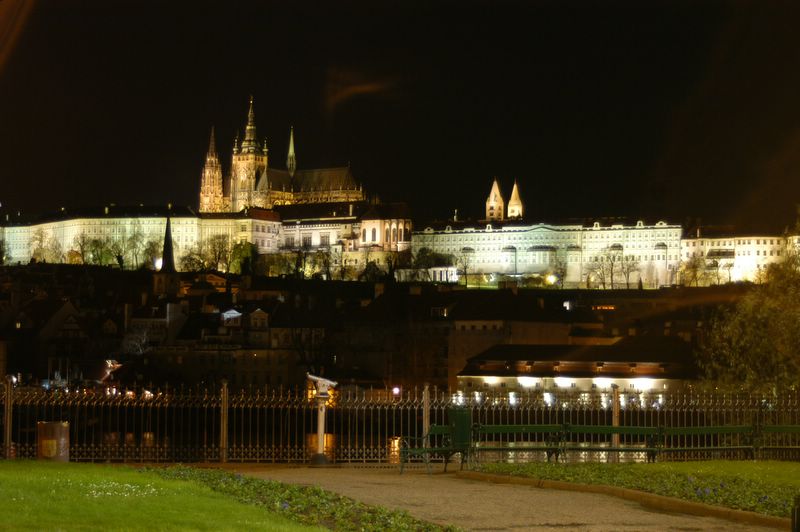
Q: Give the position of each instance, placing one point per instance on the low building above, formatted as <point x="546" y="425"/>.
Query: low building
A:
<point x="635" y="363"/>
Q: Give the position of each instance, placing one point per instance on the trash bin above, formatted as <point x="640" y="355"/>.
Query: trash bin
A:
<point x="52" y="441"/>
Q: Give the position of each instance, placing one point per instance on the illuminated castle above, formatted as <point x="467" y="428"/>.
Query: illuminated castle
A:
<point x="252" y="183"/>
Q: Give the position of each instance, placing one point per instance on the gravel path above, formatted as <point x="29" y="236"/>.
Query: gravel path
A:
<point x="475" y="505"/>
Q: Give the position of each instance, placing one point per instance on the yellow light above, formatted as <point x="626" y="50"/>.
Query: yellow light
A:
<point x="551" y="279"/>
<point x="491" y="380"/>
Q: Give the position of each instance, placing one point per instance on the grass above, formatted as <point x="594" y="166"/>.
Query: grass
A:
<point x="72" y="496"/>
<point x="764" y="487"/>
<point x="51" y="496"/>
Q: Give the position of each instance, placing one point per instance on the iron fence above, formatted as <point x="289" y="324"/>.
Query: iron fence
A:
<point x="366" y="426"/>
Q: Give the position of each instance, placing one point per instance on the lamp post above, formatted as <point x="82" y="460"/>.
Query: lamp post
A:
<point x="322" y="386"/>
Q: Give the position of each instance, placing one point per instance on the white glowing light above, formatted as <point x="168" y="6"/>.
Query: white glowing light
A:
<point x="548" y="398"/>
<point x="527" y="382"/>
<point x="643" y="383"/>
<point x="551" y="279"/>
<point x="158" y="263"/>
<point x="396" y="390"/>
<point x="563" y="382"/>
<point x="602" y="382"/>
<point x="491" y="380"/>
<point x="512" y="398"/>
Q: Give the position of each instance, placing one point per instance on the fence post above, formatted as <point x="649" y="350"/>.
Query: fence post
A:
<point x="613" y="457"/>
<point x="8" y="409"/>
<point x="426" y="412"/>
<point x="223" y="422"/>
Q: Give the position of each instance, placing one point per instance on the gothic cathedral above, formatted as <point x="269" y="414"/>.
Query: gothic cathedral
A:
<point x="252" y="183"/>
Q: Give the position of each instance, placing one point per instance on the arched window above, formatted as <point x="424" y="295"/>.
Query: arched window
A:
<point x="387" y="235"/>
<point x="374" y="235"/>
<point x="394" y="234"/>
<point x="363" y="235"/>
<point x="401" y="239"/>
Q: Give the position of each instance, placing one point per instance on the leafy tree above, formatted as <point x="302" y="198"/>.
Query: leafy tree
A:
<point x="152" y="251"/>
<point x="243" y="256"/>
<point x="219" y="252"/>
<point x="755" y="343"/>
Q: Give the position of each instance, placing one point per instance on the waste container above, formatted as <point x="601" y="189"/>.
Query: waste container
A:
<point x="52" y="441"/>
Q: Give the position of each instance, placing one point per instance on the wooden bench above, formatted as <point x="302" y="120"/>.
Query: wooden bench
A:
<point x="550" y="442"/>
<point x="650" y="435"/>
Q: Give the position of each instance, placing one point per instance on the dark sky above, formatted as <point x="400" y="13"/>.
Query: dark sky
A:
<point x="676" y="110"/>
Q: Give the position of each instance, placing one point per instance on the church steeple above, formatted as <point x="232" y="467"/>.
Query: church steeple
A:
<point x="291" y="163"/>
<point x="250" y="144"/>
<point x="168" y="255"/>
<point x="211" y="197"/>
<point x="515" y="208"/>
<point x="166" y="281"/>
<point x="495" y="205"/>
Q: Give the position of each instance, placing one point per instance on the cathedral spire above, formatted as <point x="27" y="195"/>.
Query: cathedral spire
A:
<point x="250" y="144"/>
<point x="291" y="163"/>
<point x="212" y="147"/>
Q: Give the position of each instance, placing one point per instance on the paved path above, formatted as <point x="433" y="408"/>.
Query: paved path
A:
<point x="476" y="505"/>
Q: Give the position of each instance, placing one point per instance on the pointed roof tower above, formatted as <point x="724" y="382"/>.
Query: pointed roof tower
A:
<point x="212" y="147"/>
<point x="495" y="205"/>
<point x="250" y="144"/>
<point x="291" y="163"/>
<point x="168" y="255"/>
<point x="515" y="208"/>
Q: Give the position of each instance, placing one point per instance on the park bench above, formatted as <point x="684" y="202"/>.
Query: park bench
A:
<point x="743" y="436"/>
<point x="779" y="430"/>
<point x="442" y="440"/>
<point x="584" y="438"/>
<point x="518" y="438"/>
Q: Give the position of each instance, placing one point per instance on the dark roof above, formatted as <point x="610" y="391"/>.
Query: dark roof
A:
<point x="108" y="211"/>
<point x="386" y="211"/>
<point x="318" y="179"/>
<point x="317" y="211"/>
<point x="632" y="349"/>
<point x="605" y="223"/>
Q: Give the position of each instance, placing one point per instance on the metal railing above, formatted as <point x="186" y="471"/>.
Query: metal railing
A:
<point x="366" y="426"/>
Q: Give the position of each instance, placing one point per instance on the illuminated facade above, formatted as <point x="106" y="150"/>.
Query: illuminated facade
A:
<point x="606" y="255"/>
<point x="252" y="183"/>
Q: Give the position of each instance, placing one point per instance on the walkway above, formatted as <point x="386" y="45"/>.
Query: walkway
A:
<point x="475" y="505"/>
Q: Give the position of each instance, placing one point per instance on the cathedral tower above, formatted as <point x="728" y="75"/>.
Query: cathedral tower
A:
<point x="291" y="163"/>
<point x="515" y="208"/>
<point x="249" y="162"/>
<point x="211" y="198"/>
<point x="495" y="205"/>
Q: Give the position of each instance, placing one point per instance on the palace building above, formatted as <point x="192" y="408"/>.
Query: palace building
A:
<point x="277" y="210"/>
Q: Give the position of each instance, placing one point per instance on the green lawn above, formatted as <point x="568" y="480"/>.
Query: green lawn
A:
<point x="764" y="487"/>
<point x="51" y="496"/>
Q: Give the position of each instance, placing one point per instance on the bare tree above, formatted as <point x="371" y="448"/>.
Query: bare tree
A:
<point x="2" y="252"/>
<point x="693" y="271"/>
<point x="629" y="266"/>
<point x="464" y="263"/>
<point x="54" y="252"/>
<point x="81" y="246"/>
<point x="38" y="244"/>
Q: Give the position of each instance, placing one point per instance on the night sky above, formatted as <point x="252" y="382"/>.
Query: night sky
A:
<point x="677" y="110"/>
